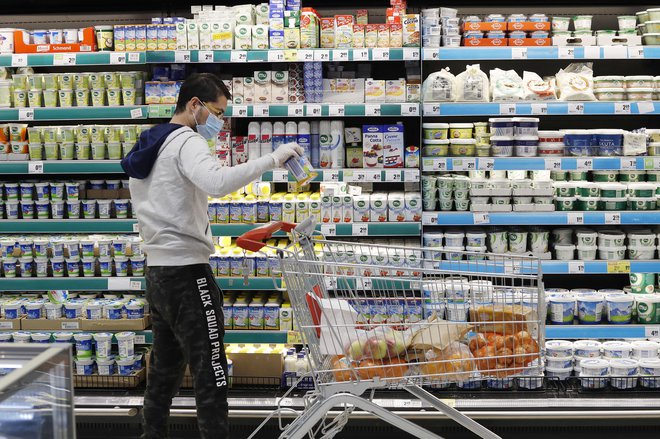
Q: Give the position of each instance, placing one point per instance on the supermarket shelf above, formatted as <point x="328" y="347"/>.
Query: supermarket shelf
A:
<point x="539" y="163"/>
<point x="293" y="55"/>
<point x="540" y="108"/>
<point x="349" y="175"/>
<point x="601" y="331"/>
<point x="541" y="218"/>
<point x="118" y="283"/>
<point x="541" y="53"/>
<point x="305" y="110"/>
<point x="73" y="113"/>
<point x="63" y="167"/>
<point x="72" y="59"/>
<point x="555" y="267"/>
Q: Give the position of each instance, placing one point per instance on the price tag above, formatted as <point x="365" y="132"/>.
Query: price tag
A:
<point x="6" y="325"/>
<point x="136" y="113"/>
<point x="293" y="337"/>
<point x="635" y="52"/>
<point x="364" y="283"/>
<point x="25" y="114"/>
<point x="291" y="55"/>
<point x="70" y="325"/>
<point x="238" y="56"/>
<point x="329" y="229"/>
<point x="313" y="110"/>
<point x="135" y="285"/>
<point x="117" y="58"/>
<point x="360" y="54"/>
<point x="541" y="109"/>
<point x="552" y="164"/>
<point x="182" y="56"/>
<point x="439" y="164"/>
<point x="19" y="60"/>
<point x="651" y="163"/>
<point x="321" y="55"/>
<point x="374" y="176"/>
<point x="305" y="55"/>
<point x="410" y="53"/>
<point x="575" y="108"/>
<point x="336" y="110"/>
<point x="136" y="228"/>
<point x="411" y="403"/>
<point x="140" y="339"/>
<point x="481" y="218"/>
<point x="615" y="52"/>
<point x="585" y="164"/>
<point x="566" y="52"/>
<point x="205" y="56"/>
<point x="280" y="175"/>
<point x="432" y="54"/>
<point x="575" y="218"/>
<point x="119" y="283"/>
<point x="332" y="176"/>
<point x="278" y="56"/>
<point x="464" y="164"/>
<point x="507" y="109"/>
<point x="519" y="53"/>
<point x="380" y="54"/>
<point x="330" y="283"/>
<point x="486" y="164"/>
<point x="36" y="167"/>
<point x="393" y="175"/>
<point x="261" y="111"/>
<point x="340" y="55"/>
<point x="612" y="218"/>
<point x="591" y="52"/>
<point x="645" y="107"/>
<point x="133" y="57"/>
<point x="239" y="111"/>
<point x="64" y="59"/>
<point x="411" y="175"/>
<point x="429" y="218"/>
<point x="652" y="331"/>
<point x="359" y="229"/>
<point x="622" y="107"/>
<point x="576" y="267"/>
<point x="432" y="109"/>
<point x="372" y="110"/>
<point x="618" y="267"/>
<point x="358" y="176"/>
<point x="409" y="110"/>
<point x="628" y="164"/>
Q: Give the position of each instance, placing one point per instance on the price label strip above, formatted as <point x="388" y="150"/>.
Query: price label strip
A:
<point x="618" y="267"/>
<point x="576" y="267"/>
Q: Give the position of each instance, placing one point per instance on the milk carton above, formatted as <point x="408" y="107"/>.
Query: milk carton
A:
<point x="237" y="91"/>
<point x="276" y="39"/>
<point x="337" y="209"/>
<point x="286" y="317"/>
<point x="204" y="36"/>
<point x="239" y="153"/>
<point x="279" y="86"/>
<point x="393" y="147"/>
<point x="347" y="207"/>
<point x="343" y="31"/>
<point x="241" y="315"/>
<point x="372" y="145"/>
<point x="326" y="209"/>
<point x="315" y="207"/>
<point x="260" y="37"/>
<point x="276" y="19"/>
<point x="193" y="35"/>
<point x="302" y="207"/>
<point x="256" y="315"/>
<point x="243" y="37"/>
<point x="413" y="205"/>
<point x="361" y="208"/>
<point x="378" y="206"/>
<point x="396" y="207"/>
<point x="222" y="35"/>
<point x="272" y="316"/>
<point x="248" y="90"/>
<point x="181" y="36"/>
<point x="262" y="86"/>
<point x="309" y="30"/>
<point x="289" y="208"/>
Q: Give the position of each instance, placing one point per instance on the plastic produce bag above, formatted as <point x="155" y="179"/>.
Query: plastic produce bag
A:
<point x="453" y="363"/>
<point x="576" y="83"/>
<point x="439" y="87"/>
<point x="536" y="88"/>
<point x="506" y="85"/>
<point x="473" y="85"/>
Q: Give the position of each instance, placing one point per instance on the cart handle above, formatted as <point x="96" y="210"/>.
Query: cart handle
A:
<point x="253" y="240"/>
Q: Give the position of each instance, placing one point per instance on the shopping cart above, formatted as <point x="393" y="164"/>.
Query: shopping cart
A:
<point x="373" y="317"/>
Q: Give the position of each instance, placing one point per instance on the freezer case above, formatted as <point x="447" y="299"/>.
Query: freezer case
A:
<point x="36" y="391"/>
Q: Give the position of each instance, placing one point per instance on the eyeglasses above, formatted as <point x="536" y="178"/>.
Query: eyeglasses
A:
<point x="213" y="111"/>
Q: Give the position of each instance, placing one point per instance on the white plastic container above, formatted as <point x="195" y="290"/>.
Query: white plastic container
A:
<point x="105" y="366"/>
<point x="84" y="366"/>
<point x="454" y="239"/>
<point x="612" y="253"/>
<point x="125" y="366"/>
<point x="559" y="373"/>
<point x="94" y="310"/>
<point x="53" y="310"/>
<point x="624" y="373"/>
<point x="649" y="373"/>
<point x="103" y="344"/>
<point x="558" y="348"/>
<point x="126" y="342"/>
<point x="565" y="252"/>
<point x="559" y="362"/>
<point x="587" y="253"/>
<point x="643" y="349"/>
<point x="616" y="349"/>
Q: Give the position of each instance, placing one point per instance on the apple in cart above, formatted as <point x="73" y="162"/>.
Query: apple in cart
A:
<point x="375" y="348"/>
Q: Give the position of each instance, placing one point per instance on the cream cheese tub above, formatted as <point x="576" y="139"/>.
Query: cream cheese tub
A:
<point x="587" y="348"/>
<point x="644" y="349"/>
<point x="558" y="348"/>
<point x="619" y="308"/>
<point x="624" y="373"/>
<point x="649" y="373"/>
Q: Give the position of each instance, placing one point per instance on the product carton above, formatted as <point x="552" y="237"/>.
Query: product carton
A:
<point x="248" y="90"/>
<point x="361" y="208"/>
<point x="354" y="156"/>
<point x="378" y="206"/>
<point x="413" y="206"/>
<point x="309" y="30"/>
<point x="193" y="35"/>
<point x="10" y="324"/>
<point x="260" y="37"/>
<point x="243" y="37"/>
<point x="347" y="209"/>
<point x="205" y="36"/>
<point x="237" y="91"/>
<point x="337" y="208"/>
<point x="393" y="146"/>
<point x="152" y="37"/>
<point x="262" y="86"/>
<point x="276" y="19"/>
<point x="396" y="207"/>
<point x="383" y="35"/>
<point x="343" y="31"/>
<point x="279" y="87"/>
<point x="326" y="209"/>
<point x="327" y="32"/>
<point x="358" y="35"/>
<point x="222" y="35"/>
<point x="276" y="39"/>
<point x="371" y="35"/>
<point x="362" y="17"/>
<point x="372" y="145"/>
<point x="396" y="35"/>
<point x="49" y="324"/>
<point x="374" y="90"/>
<point x="395" y="90"/>
<point x="239" y="153"/>
<point x="291" y="38"/>
<point x="411" y="34"/>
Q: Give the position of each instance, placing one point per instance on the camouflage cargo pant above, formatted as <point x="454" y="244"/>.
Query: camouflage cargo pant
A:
<point x="188" y="328"/>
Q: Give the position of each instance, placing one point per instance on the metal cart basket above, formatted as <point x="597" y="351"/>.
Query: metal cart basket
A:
<point x="383" y="316"/>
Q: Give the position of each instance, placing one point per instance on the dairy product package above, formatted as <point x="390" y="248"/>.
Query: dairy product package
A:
<point x="372" y="145"/>
<point x="331" y="142"/>
<point x="374" y="90"/>
<point x="337" y="208"/>
<point x="347" y="209"/>
<point x="239" y="153"/>
<point x="358" y="35"/>
<point x="222" y="35"/>
<point x="536" y="88"/>
<point x="411" y="34"/>
<point x="383" y="39"/>
<point x="396" y="35"/>
<point x="260" y="37"/>
<point x="343" y="31"/>
<point x="395" y="90"/>
<point x="262" y="86"/>
<point x="576" y="82"/>
<point x="326" y="209"/>
<point x="378" y="206"/>
<point x="276" y="39"/>
<point x="253" y="140"/>
<point x="440" y="87"/>
<point x="309" y="29"/>
<point x="393" y="146"/>
<point x="413" y="203"/>
<point x="237" y="91"/>
<point x="327" y="32"/>
<point x="243" y="37"/>
<point x="396" y="207"/>
<point x="192" y="31"/>
<point x="472" y="85"/>
<point x="371" y="35"/>
<point x="248" y="90"/>
<point x="361" y="208"/>
<point x="506" y="85"/>
<point x="204" y="36"/>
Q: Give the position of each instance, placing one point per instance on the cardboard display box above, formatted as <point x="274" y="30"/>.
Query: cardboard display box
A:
<point x="484" y="26"/>
<point x="116" y="325"/>
<point x="257" y="365"/>
<point x="529" y="26"/>
<point x="531" y="42"/>
<point x="51" y="325"/>
<point x="107" y="194"/>
<point x="10" y="324"/>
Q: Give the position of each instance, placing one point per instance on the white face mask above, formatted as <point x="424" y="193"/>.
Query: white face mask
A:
<point x="211" y="128"/>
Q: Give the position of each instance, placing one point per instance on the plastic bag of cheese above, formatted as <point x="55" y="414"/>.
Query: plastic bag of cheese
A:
<point x="576" y="82"/>
<point x="439" y="87"/>
<point x="506" y="85"/>
<point x="473" y="85"/>
<point x="536" y="88"/>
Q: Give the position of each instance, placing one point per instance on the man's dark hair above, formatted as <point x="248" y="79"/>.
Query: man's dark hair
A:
<point x="205" y="86"/>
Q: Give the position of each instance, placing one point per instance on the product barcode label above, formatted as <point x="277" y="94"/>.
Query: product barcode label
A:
<point x="612" y="218"/>
<point x="135" y="285"/>
<point x="136" y="228"/>
<point x="136" y="113"/>
<point x="540" y="109"/>
<point x="519" y="53"/>
<point x="291" y="55"/>
<point x="182" y="56"/>
<point x="304" y="55"/>
<point x="464" y="164"/>
<point x="380" y="54"/>
<point x="431" y="54"/>
<point x="372" y="110"/>
<point x="409" y="110"/>
<point x="652" y="331"/>
<point x="576" y="267"/>
<point x="70" y="325"/>
<point x="575" y="218"/>
<point x="261" y="111"/>
<point x="118" y="283"/>
<point x="330" y="283"/>
<point x="635" y="52"/>
<point x="645" y="107"/>
<point x="205" y="56"/>
<point x="35" y="167"/>
<point x="392" y="175"/>
<point x="64" y="59"/>
<point x="336" y="110"/>
<point x="117" y="58"/>
<point x="340" y="55"/>
<point x="280" y="175"/>
<point x="585" y="164"/>
<point x="6" y="325"/>
<point x="321" y="55"/>
<point x="140" y="339"/>
<point x="410" y="53"/>
<point x="566" y="52"/>
<point x="429" y="218"/>
<point x="439" y="164"/>
<point x="133" y="57"/>
<point x="411" y="175"/>
<point x="239" y="110"/>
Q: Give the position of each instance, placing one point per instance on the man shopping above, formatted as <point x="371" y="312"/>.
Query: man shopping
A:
<point x="171" y="175"/>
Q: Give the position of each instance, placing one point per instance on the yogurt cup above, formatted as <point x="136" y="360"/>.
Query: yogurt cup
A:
<point x="649" y="373"/>
<point x="73" y="310"/>
<point x="565" y="252"/>
<point x="617" y="253"/>
<point x="590" y="308"/>
<point x="559" y="373"/>
<point x="83" y="344"/>
<point x="641" y="252"/>
<point x="63" y="337"/>
<point x="121" y="208"/>
<point x="644" y="349"/>
<point x="587" y="348"/>
<point x="619" y="308"/>
<point x="94" y="311"/>
<point x="113" y="310"/>
<point x="84" y="365"/>
<point x="105" y="266"/>
<point x="126" y="342"/>
<point x="103" y="344"/>
<point x="616" y="349"/>
<point x="559" y="362"/>
<point x="88" y="267"/>
<point x="611" y="239"/>
<point x="40" y="337"/>
<point x="558" y="348"/>
<point x="105" y="366"/>
<point x="502" y="126"/>
<point x="34" y="310"/>
<point x="624" y="373"/>
<point x="125" y="366"/>
<point x="586" y="252"/>
<point x="53" y="311"/>
<point x="562" y="309"/>
<point x="104" y="208"/>
<point x="21" y="337"/>
<point x="134" y="310"/>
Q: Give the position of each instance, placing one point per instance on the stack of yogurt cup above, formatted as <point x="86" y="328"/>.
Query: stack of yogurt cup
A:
<point x="431" y="27"/>
<point x="100" y="344"/>
<point x="451" y="31"/>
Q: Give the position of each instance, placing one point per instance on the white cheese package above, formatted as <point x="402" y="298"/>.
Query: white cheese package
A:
<point x="440" y="87"/>
<point x="506" y="85"/>
<point x="472" y="85"/>
<point x="536" y="88"/>
<point x="576" y="82"/>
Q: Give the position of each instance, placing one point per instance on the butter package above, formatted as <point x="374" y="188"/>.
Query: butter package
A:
<point x="343" y="31"/>
<point x="383" y="35"/>
<point x="237" y="91"/>
<point x="291" y="38"/>
<point x="371" y="35"/>
<point x="372" y="145"/>
<point x="352" y="135"/>
<point x="193" y="35"/>
<point x="279" y="86"/>
<point x="260" y="37"/>
<point x="205" y="36"/>
<point x="395" y="90"/>
<point x="248" y="90"/>
<point x="362" y="17"/>
<point x="396" y="35"/>
<point x="358" y="35"/>
<point x="181" y="36"/>
<point x="222" y="35"/>
<point x="276" y="39"/>
<point x="262" y="87"/>
<point x="411" y="157"/>
<point x="327" y="32"/>
<point x="393" y="147"/>
<point x="411" y="35"/>
<point x="374" y="90"/>
<point x="243" y="37"/>
<point x="152" y="37"/>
